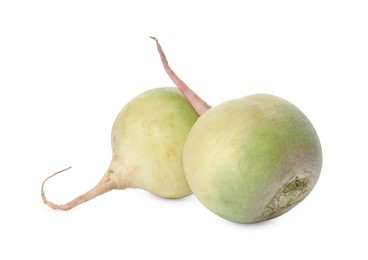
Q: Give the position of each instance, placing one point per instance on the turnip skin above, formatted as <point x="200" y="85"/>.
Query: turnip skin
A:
<point x="252" y="159"/>
<point x="147" y="140"/>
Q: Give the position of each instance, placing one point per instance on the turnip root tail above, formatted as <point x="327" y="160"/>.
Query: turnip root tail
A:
<point x="199" y="105"/>
<point x="103" y="186"/>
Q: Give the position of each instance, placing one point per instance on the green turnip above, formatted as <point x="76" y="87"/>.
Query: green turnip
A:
<point x="253" y="158"/>
<point x="147" y="139"/>
<point x="249" y="159"/>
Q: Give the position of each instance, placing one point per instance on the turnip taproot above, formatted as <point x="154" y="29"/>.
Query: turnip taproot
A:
<point x="147" y="139"/>
<point x="198" y="104"/>
<point x="249" y="159"/>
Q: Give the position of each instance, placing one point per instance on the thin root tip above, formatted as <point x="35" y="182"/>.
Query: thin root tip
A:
<point x="43" y="192"/>
<point x="154" y="38"/>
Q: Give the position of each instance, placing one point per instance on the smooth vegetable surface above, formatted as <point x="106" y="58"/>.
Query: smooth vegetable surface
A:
<point x="252" y="159"/>
<point x="147" y="139"/>
<point x="249" y="159"/>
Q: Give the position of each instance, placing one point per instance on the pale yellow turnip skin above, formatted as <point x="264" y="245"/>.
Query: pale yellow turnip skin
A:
<point x="252" y="159"/>
<point x="147" y="139"/>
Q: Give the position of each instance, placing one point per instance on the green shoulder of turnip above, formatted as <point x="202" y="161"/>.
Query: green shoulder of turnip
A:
<point x="249" y="159"/>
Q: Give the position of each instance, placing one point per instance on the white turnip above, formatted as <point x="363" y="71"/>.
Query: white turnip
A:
<point x="147" y="139"/>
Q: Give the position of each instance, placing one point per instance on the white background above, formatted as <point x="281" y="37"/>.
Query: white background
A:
<point x="68" y="67"/>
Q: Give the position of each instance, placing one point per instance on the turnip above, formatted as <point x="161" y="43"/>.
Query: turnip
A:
<point x="147" y="139"/>
<point x="249" y="159"/>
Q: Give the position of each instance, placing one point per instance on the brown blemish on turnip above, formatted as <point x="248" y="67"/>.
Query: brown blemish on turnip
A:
<point x="288" y="196"/>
